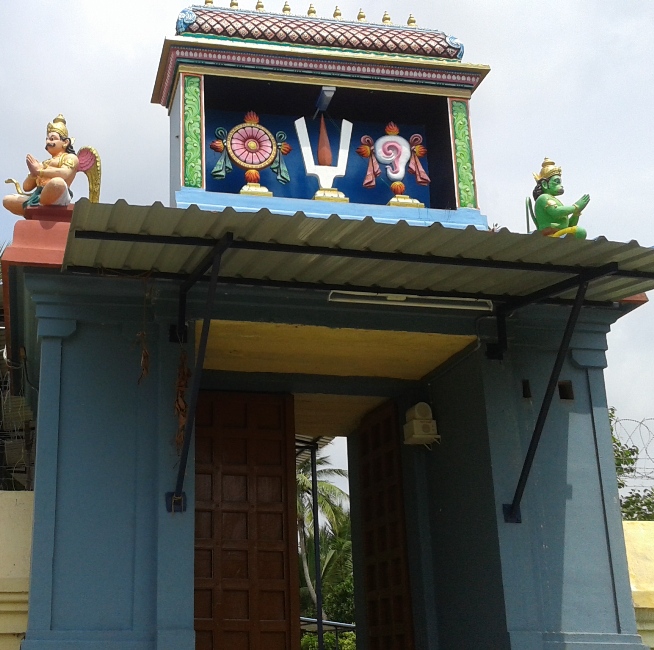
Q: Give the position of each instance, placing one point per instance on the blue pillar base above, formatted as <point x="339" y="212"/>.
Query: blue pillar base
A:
<point x="572" y="641"/>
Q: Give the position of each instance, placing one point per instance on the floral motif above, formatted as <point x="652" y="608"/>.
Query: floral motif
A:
<point x="192" y="133"/>
<point x="463" y="156"/>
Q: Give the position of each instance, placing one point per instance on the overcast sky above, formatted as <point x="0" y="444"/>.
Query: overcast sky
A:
<point x="569" y="80"/>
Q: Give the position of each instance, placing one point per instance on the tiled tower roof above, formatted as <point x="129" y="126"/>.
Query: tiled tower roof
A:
<point x="317" y="32"/>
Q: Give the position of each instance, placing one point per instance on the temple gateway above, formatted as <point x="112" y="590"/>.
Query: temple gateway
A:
<point x="324" y="269"/>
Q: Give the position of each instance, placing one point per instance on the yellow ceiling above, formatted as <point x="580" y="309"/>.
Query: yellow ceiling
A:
<point x="318" y="416"/>
<point x="308" y="349"/>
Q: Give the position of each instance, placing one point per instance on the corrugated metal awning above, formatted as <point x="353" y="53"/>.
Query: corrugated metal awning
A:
<point x="334" y="253"/>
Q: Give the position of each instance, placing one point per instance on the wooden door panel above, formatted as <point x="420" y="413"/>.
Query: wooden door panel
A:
<point x="246" y="541"/>
<point x="388" y="602"/>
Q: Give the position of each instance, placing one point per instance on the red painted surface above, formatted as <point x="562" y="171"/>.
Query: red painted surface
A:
<point x="50" y="213"/>
<point x="39" y="243"/>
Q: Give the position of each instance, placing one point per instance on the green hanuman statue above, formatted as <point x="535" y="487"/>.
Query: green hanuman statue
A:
<point x="552" y="218"/>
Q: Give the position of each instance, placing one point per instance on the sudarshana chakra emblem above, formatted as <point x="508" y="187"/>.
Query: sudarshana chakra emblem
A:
<point x="251" y="147"/>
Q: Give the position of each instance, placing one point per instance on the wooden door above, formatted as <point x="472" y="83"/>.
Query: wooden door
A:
<point x="246" y="572"/>
<point x="388" y="601"/>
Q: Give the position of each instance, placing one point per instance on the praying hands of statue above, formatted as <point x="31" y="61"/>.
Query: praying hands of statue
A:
<point x="33" y="165"/>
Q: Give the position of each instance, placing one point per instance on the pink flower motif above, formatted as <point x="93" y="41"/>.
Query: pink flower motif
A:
<point x="251" y="145"/>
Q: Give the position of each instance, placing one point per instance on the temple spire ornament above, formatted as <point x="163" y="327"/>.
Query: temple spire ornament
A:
<point x="233" y="4"/>
<point x="287" y="9"/>
<point x="386" y="19"/>
<point x="361" y="17"/>
<point x="312" y="11"/>
<point x="412" y="22"/>
<point x="208" y="3"/>
<point x="337" y="14"/>
<point x="259" y="6"/>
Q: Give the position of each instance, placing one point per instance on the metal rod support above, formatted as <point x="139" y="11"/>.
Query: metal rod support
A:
<point x="316" y="544"/>
<point x="512" y="510"/>
<point x="560" y="287"/>
<point x="177" y="495"/>
<point x="496" y="350"/>
<point x="223" y="244"/>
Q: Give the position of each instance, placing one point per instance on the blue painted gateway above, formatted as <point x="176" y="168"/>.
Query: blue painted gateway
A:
<point x="325" y="271"/>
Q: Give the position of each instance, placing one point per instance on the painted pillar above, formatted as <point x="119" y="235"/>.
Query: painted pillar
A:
<point x="462" y="158"/>
<point x="565" y="578"/>
<point x="111" y="570"/>
<point x="192" y="131"/>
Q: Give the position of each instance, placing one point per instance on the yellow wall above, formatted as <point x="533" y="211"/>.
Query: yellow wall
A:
<point x="16" y="517"/>
<point x="639" y="537"/>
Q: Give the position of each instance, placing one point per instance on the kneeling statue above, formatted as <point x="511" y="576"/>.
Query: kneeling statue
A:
<point x="48" y="182"/>
<point x="552" y="218"/>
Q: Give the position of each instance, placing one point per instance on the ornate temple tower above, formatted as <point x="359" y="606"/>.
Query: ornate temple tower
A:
<point x="386" y="107"/>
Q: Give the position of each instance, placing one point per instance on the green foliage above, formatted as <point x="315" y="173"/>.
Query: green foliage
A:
<point x="335" y="537"/>
<point x="638" y="506"/>
<point x="635" y="506"/>
<point x="346" y="641"/>
<point x="339" y="601"/>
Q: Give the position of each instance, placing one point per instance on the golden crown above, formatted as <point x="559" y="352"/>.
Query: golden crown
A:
<point x="547" y="170"/>
<point x="58" y="125"/>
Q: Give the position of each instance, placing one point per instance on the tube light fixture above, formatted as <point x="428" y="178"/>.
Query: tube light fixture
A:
<point x="408" y="300"/>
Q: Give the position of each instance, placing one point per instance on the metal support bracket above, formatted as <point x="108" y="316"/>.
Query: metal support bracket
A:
<point x="176" y="501"/>
<point x="496" y="350"/>
<point x="179" y="332"/>
<point x="511" y="510"/>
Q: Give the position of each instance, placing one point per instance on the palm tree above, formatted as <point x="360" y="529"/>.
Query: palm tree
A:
<point x="332" y="502"/>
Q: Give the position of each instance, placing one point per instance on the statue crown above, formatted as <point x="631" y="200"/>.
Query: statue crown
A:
<point x="58" y="125"/>
<point x="548" y="169"/>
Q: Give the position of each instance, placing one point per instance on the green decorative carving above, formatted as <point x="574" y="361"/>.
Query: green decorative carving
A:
<point x="192" y="133"/>
<point x="463" y="154"/>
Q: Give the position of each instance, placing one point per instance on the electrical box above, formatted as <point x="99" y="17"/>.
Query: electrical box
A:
<point x="420" y="432"/>
<point x="420" y="427"/>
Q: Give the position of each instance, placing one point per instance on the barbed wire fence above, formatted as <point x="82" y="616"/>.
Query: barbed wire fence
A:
<point x="640" y="434"/>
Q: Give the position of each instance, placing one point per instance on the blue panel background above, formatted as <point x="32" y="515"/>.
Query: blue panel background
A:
<point x="301" y="185"/>
<point x="96" y="487"/>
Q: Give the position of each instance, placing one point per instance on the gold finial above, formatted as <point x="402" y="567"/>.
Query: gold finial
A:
<point x="386" y="19"/>
<point x="287" y="9"/>
<point x="208" y="3"/>
<point x="412" y="21"/>
<point x="337" y="13"/>
<point x="259" y="6"/>
<point x="361" y="17"/>
<point x="233" y="4"/>
<point x="312" y="11"/>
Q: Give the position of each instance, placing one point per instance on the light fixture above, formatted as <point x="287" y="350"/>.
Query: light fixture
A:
<point x="408" y="300"/>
